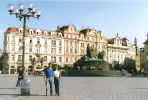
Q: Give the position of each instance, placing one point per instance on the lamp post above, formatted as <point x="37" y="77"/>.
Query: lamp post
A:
<point x="21" y="13"/>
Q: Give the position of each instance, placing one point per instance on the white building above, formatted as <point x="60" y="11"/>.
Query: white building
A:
<point x="39" y="44"/>
<point x="63" y="46"/>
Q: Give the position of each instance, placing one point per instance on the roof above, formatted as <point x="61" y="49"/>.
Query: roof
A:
<point x="124" y="38"/>
<point x="65" y="27"/>
<point x="49" y="32"/>
<point x="12" y="30"/>
<point x="111" y="41"/>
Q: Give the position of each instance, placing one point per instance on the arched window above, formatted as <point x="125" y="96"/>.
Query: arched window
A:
<point x="31" y="32"/>
<point x="30" y="41"/>
<point x="38" y="32"/>
<point x="21" y="30"/>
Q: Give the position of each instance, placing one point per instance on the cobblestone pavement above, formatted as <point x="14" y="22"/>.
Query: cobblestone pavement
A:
<point x="79" y="88"/>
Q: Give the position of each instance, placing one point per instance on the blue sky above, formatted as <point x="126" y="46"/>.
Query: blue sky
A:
<point x="127" y="17"/>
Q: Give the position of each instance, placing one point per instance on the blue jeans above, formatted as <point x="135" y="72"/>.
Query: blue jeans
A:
<point x="18" y="82"/>
<point x="57" y="84"/>
<point x="51" y="83"/>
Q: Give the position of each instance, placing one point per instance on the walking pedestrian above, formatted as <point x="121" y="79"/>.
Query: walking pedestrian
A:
<point x="57" y="76"/>
<point x="48" y="76"/>
<point x="20" y="77"/>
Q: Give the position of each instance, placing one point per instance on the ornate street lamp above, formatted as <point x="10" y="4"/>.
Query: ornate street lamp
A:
<point x="21" y="13"/>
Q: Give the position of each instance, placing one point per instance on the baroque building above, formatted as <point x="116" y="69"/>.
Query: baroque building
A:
<point x="63" y="46"/>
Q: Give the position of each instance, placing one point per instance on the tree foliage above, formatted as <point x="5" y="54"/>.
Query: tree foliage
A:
<point x="4" y="63"/>
<point x="117" y="65"/>
<point x="130" y="65"/>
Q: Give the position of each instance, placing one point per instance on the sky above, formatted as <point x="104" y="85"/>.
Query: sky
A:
<point x="128" y="18"/>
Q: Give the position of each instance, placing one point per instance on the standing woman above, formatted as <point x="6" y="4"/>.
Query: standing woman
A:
<point x="57" y="76"/>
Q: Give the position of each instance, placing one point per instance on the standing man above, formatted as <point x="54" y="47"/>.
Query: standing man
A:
<point x="49" y="76"/>
<point x="20" y="77"/>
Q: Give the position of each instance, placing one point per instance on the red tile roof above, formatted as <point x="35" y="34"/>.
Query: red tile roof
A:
<point x="12" y="30"/>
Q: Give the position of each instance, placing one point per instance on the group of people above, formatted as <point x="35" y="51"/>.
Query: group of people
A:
<point x="51" y="76"/>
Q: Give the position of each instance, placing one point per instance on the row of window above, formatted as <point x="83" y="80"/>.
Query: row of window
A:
<point x="38" y="32"/>
<point x="71" y="59"/>
<point x="53" y="42"/>
<point x="117" y="50"/>
<point x="38" y="58"/>
<point x="71" y="36"/>
<point x="116" y="57"/>
<point x="38" y="49"/>
<point x="71" y="50"/>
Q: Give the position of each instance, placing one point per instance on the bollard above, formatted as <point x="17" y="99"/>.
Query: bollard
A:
<point x="25" y="87"/>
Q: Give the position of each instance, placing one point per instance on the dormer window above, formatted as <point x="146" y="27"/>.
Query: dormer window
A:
<point x="21" y="30"/>
<point x="37" y="33"/>
<point x="30" y="41"/>
<point x="31" y="32"/>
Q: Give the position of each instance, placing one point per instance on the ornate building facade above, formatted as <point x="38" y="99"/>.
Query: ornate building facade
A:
<point x="62" y="46"/>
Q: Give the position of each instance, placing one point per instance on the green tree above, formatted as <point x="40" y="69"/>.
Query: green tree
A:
<point x="130" y="65"/>
<point x="117" y="65"/>
<point x="4" y="63"/>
